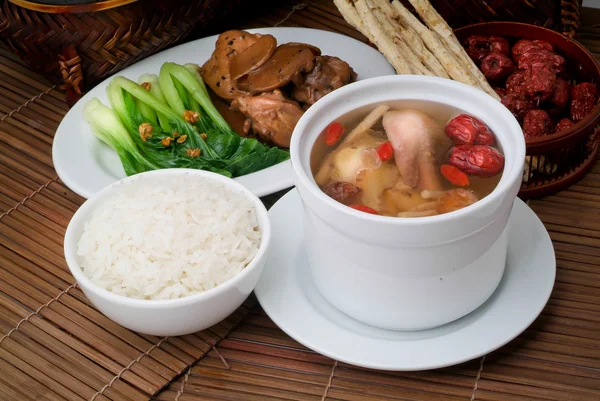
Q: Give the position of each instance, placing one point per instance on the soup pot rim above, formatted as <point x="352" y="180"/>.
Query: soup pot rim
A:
<point x="511" y="175"/>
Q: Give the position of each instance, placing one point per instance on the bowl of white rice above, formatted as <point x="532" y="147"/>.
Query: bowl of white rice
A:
<point x="169" y="252"/>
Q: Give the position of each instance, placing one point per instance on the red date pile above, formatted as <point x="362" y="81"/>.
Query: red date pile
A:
<point x="532" y="81"/>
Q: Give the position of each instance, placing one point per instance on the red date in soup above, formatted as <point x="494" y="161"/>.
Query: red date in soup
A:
<point x="478" y="160"/>
<point x="466" y="129"/>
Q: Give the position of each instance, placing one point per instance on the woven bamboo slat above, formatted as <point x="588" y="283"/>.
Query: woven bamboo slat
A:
<point x="54" y="345"/>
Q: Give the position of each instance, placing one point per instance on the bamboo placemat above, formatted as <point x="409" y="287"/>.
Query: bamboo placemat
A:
<point x="54" y="345"/>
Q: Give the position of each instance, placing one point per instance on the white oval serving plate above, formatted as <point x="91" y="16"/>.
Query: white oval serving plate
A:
<point x="86" y="165"/>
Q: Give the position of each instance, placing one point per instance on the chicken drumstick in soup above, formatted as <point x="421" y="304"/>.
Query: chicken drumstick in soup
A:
<point x="407" y="161"/>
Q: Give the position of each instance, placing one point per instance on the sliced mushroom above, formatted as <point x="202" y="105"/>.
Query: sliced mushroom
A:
<point x="252" y="57"/>
<point x="287" y="64"/>
<point x="315" y="49"/>
<point x="242" y="84"/>
<point x="215" y="72"/>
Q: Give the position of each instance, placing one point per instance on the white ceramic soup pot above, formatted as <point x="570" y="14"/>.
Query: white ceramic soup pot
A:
<point x="170" y="317"/>
<point x="407" y="273"/>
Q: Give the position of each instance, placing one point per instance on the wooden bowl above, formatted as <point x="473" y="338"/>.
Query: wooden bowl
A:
<point x="566" y="155"/>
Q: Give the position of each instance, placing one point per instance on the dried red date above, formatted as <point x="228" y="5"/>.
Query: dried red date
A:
<point x="537" y="56"/>
<point x="466" y="129"/>
<point x="521" y="47"/>
<point x="341" y="191"/>
<point x="562" y="92"/>
<point x="484" y="136"/>
<point x="462" y="129"/>
<point x="501" y="92"/>
<point x="540" y="82"/>
<point x="584" y="89"/>
<point x="537" y="123"/>
<point x="563" y="125"/>
<point x="498" y="44"/>
<point x="479" y="160"/>
<point x="525" y="45"/>
<point x="516" y="83"/>
<point x="496" y="66"/>
<point x="518" y="104"/>
<point x="477" y="54"/>
<point x="559" y="64"/>
<point x="583" y="100"/>
<point x="477" y="47"/>
<point x="482" y="42"/>
<point x="543" y="44"/>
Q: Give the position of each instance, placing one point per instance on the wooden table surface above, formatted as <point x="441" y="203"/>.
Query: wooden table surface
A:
<point x="54" y="345"/>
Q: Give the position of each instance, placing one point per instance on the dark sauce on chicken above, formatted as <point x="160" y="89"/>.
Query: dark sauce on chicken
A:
<point x="407" y="159"/>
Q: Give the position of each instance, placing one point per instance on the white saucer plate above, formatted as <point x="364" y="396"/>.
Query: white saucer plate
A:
<point x="86" y="165"/>
<point x="288" y="296"/>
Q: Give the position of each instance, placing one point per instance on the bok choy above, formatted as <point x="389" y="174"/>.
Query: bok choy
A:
<point x="169" y="121"/>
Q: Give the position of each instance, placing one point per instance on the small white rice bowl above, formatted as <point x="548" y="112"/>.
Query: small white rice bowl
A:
<point x="169" y="237"/>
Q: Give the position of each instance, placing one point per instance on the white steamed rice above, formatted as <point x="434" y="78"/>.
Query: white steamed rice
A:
<point x="169" y="239"/>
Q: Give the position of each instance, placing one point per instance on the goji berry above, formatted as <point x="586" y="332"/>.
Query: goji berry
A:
<point x="333" y="133"/>
<point x="364" y="208"/>
<point x="385" y="151"/>
<point x="454" y="175"/>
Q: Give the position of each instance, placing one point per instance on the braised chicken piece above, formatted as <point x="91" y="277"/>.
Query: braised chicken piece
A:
<point x="270" y="115"/>
<point x="328" y="74"/>
<point x="215" y="72"/>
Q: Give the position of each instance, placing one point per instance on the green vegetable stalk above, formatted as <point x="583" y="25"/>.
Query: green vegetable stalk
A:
<point x="151" y="84"/>
<point x="121" y="92"/>
<point x="185" y="90"/>
<point x="108" y="128"/>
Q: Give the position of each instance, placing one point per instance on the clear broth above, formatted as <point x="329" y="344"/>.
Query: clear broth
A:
<point x="440" y="113"/>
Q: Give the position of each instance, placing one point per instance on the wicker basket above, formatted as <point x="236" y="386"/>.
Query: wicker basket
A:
<point x="77" y="43"/>
<point x="557" y="160"/>
<point x="558" y="15"/>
